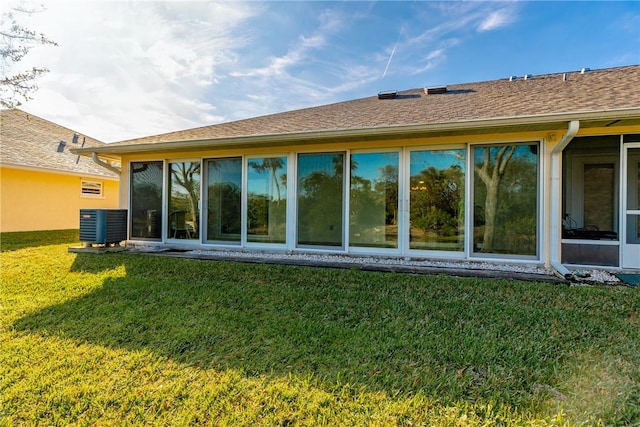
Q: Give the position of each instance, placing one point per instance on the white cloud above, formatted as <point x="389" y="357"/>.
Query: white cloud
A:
<point x="299" y="53"/>
<point x="313" y="41"/>
<point x="438" y="53"/>
<point x="496" y="19"/>
<point x="331" y="21"/>
<point x="445" y="25"/>
<point x="309" y="72"/>
<point x="152" y="58"/>
<point x="129" y="69"/>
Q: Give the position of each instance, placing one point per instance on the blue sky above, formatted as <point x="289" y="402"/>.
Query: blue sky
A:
<point x="129" y="69"/>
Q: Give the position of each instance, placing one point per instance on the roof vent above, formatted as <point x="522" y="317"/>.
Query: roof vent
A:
<point x="75" y="138"/>
<point x="585" y="70"/>
<point x="513" y="78"/>
<point x="388" y="94"/>
<point x="434" y="90"/>
<point x="61" y="146"/>
<point x="528" y="76"/>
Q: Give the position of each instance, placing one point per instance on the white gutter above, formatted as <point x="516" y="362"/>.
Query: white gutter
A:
<point x="105" y="165"/>
<point x="556" y="200"/>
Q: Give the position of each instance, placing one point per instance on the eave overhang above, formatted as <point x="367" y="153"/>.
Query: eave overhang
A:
<point x="591" y="119"/>
<point x="78" y="174"/>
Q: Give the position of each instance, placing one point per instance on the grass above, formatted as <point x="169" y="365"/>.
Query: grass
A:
<point x="123" y="338"/>
<point x="26" y="239"/>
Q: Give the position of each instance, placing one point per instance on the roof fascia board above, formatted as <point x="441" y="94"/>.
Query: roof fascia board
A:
<point x="58" y="172"/>
<point x="256" y="140"/>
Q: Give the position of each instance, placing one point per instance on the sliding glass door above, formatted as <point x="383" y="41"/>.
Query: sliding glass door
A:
<point x="184" y="201"/>
<point x="146" y="200"/>
<point x="267" y="200"/>
<point x="505" y="199"/>
<point x="224" y="200"/>
<point x="373" y="200"/>
<point x="436" y="200"/>
<point x="320" y="197"/>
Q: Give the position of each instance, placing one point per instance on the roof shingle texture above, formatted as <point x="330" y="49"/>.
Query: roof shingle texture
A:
<point x="32" y="142"/>
<point x="571" y="92"/>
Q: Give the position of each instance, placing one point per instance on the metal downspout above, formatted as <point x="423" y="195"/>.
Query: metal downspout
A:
<point x="556" y="199"/>
<point x="104" y="164"/>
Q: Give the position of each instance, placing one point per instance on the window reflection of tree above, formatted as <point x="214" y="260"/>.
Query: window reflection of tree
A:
<point x="224" y="195"/>
<point x="505" y="190"/>
<point x="187" y="176"/>
<point x="389" y="186"/>
<point x="266" y="212"/>
<point x="374" y="201"/>
<point x="224" y="210"/>
<point x="273" y="165"/>
<point x="437" y="202"/>
<point x="320" y="204"/>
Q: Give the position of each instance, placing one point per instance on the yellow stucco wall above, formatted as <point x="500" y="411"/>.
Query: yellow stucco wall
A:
<point x="38" y="200"/>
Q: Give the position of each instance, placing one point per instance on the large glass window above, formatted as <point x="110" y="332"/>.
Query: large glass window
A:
<point x="373" y="203"/>
<point x="267" y="200"/>
<point x="184" y="200"/>
<point x="224" y="199"/>
<point x="146" y="200"/>
<point x="505" y="194"/>
<point x="320" y="199"/>
<point x="437" y="200"/>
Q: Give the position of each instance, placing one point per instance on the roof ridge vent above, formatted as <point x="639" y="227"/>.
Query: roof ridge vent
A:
<point x="434" y="90"/>
<point x="388" y="94"/>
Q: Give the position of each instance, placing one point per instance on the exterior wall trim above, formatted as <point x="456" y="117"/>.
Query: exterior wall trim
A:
<point x="58" y="172"/>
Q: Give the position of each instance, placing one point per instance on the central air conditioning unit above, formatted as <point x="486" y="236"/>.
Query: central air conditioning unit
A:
<point x="103" y="226"/>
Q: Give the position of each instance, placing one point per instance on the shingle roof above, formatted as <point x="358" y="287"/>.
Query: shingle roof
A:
<point x="32" y="142"/>
<point x="571" y="92"/>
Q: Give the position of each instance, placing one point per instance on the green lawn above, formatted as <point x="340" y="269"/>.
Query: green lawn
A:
<point x="131" y="339"/>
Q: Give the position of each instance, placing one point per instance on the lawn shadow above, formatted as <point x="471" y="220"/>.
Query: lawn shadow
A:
<point x="452" y="338"/>
<point x="14" y="241"/>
